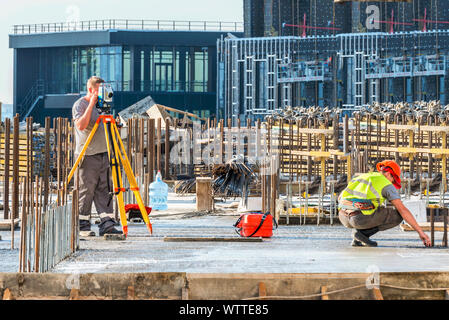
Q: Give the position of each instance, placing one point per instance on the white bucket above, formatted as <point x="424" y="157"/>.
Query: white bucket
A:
<point x="254" y="204"/>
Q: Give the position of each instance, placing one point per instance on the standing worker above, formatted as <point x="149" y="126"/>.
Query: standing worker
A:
<point x="361" y="205"/>
<point x="94" y="176"/>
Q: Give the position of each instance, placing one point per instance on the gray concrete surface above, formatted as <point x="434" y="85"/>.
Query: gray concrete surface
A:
<point x="9" y="259"/>
<point x="293" y="249"/>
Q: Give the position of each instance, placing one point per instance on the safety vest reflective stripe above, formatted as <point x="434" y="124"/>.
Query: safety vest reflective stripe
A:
<point x="356" y="193"/>
<point x="107" y="215"/>
<point x="370" y="185"/>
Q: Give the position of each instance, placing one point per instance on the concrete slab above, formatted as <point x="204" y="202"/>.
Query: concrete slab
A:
<point x="293" y="249"/>
<point x="9" y="259"/>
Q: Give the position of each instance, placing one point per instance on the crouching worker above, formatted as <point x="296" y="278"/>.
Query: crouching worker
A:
<point x="363" y="205"/>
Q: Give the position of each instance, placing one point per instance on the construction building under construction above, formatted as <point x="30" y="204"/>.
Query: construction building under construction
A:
<point x="347" y="55"/>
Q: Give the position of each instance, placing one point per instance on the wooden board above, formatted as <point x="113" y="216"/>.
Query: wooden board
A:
<point x="204" y="194"/>
<point x="21" y="162"/>
<point x="262" y="289"/>
<point x="21" y="142"/>
<point x="22" y="173"/>
<point x="21" y="135"/>
<point x="5" y="225"/>
<point x="212" y="239"/>
<point x="425" y="226"/>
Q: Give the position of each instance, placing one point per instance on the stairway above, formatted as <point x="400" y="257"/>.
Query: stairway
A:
<point x="31" y="99"/>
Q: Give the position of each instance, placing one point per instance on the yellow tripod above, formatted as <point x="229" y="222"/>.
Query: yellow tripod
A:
<point x="117" y="156"/>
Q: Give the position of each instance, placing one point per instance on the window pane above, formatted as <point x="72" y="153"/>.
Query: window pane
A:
<point x="126" y="69"/>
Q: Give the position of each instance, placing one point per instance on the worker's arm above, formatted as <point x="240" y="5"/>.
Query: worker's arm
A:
<point x="83" y="121"/>
<point x="408" y="217"/>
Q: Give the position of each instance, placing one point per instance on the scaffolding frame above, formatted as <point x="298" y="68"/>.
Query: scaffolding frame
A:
<point x="265" y="72"/>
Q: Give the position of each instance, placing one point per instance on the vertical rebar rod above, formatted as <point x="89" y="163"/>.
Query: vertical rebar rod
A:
<point x="47" y="161"/>
<point x="151" y="154"/>
<point x="23" y="226"/>
<point x="15" y="179"/>
<point x="6" y="168"/>
<point x="142" y="147"/>
<point x="159" y="134"/>
<point x="167" y="149"/>
<point x="36" y="225"/>
<point x="58" y="158"/>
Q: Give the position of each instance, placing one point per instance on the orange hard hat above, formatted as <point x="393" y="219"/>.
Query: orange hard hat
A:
<point x="395" y="170"/>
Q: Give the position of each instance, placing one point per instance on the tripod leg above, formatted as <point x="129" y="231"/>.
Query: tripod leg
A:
<point x="130" y="175"/>
<point x="83" y="151"/>
<point x="116" y="177"/>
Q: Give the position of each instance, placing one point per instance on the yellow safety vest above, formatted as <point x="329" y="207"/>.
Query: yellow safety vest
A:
<point x="366" y="188"/>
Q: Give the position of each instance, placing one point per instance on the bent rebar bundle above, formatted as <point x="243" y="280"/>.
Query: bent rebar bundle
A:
<point x="185" y="186"/>
<point x="233" y="178"/>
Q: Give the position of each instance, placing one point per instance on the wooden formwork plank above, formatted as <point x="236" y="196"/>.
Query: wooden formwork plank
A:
<point x="21" y="162"/>
<point x="22" y="173"/>
<point x="262" y="289"/>
<point x="212" y="239"/>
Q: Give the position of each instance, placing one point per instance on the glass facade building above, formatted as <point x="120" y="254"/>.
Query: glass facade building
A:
<point x="177" y="68"/>
<point x="162" y="69"/>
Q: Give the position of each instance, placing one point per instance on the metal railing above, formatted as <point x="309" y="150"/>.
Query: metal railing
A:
<point x="405" y="67"/>
<point x="125" y="24"/>
<point x="304" y="72"/>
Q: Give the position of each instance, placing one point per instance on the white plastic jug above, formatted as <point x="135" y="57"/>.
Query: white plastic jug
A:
<point x="158" y="193"/>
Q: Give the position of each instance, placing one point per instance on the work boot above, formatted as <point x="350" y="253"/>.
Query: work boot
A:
<point x="363" y="237"/>
<point x="110" y="231"/>
<point x="356" y="243"/>
<point x="85" y="229"/>
<point x="370" y="232"/>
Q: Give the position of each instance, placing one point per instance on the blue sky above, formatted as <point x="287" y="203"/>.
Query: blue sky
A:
<point x="44" y="11"/>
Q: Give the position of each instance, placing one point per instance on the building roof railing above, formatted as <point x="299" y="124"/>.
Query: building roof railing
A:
<point x="125" y="24"/>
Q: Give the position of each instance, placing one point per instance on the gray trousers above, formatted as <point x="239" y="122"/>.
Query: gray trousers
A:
<point x="93" y="187"/>
<point x="383" y="218"/>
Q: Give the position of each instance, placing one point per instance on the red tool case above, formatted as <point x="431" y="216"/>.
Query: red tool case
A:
<point x="255" y="225"/>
